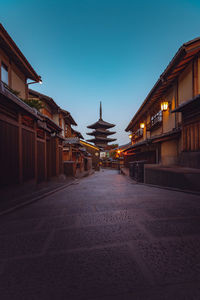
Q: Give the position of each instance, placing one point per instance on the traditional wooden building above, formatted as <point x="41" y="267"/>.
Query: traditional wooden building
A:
<point x="76" y="133"/>
<point x="30" y="149"/>
<point x="51" y="110"/>
<point x="72" y="156"/>
<point x="66" y="121"/>
<point x="77" y="158"/>
<point x="95" y="153"/>
<point x="159" y="132"/>
<point x="101" y="132"/>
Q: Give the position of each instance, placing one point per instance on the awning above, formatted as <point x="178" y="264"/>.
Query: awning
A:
<point x="186" y="104"/>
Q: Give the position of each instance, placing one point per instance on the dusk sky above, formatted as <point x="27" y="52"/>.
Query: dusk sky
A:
<point x="107" y="50"/>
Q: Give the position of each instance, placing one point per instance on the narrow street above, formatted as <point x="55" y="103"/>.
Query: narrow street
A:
<point x="103" y="238"/>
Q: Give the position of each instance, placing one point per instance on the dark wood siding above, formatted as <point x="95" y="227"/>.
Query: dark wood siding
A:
<point x="48" y="157"/>
<point x="9" y="154"/>
<point x="28" y="154"/>
<point x="191" y="127"/>
<point x="191" y="137"/>
<point x="60" y="160"/>
<point x="40" y="161"/>
<point x="53" y="157"/>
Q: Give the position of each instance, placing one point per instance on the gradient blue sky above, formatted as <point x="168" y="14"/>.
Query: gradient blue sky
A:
<point x="92" y="50"/>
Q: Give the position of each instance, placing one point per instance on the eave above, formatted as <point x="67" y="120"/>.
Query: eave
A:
<point x="79" y="135"/>
<point x="157" y="139"/>
<point x="183" y="106"/>
<point x="68" y="117"/>
<point x="101" y="124"/>
<point x="14" y="53"/>
<point x="101" y="139"/>
<point x="18" y="102"/>
<point x="103" y="132"/>
<point x="52" y="124"/>
<point x="44" y="98"/>
<point x="89" y="145"/>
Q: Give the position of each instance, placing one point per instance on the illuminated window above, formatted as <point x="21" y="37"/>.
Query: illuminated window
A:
<point x="4" y="73"/>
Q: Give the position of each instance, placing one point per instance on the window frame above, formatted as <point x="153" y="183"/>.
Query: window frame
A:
<point x="6" y="68"/>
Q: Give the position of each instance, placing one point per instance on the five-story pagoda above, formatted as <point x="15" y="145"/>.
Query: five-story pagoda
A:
<point x="101" y="132"/>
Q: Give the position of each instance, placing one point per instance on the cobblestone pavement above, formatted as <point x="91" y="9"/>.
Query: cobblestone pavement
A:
<point x="103" y="238"/>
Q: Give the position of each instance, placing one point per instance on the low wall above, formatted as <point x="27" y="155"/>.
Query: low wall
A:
<point x="190" y="159"/>
<point x="136" y="170"/>
<point x="175" y="177"/>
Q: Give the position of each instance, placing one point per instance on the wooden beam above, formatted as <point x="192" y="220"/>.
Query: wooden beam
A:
<point x="20" y="149"/>
<point x="195" y="78"/>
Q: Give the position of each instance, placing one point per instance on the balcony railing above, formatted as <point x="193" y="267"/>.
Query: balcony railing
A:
<point x="156" y="121"/>
<point x="138" y="134"/>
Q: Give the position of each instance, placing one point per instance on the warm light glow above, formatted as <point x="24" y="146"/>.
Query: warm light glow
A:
<point x="130" y="136"/>
<point x="118" y="151"/>
<point x="89" y="145"/>
<point x="142" y="125"/>
<point x="164" y="106"/>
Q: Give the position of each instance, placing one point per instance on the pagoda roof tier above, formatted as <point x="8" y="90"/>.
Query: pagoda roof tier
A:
<point x="101" y="131"/>
<point x="102" y="139"/>
<point x="101" y="124"/>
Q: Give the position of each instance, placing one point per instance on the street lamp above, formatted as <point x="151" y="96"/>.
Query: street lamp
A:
<point x="32" y="82"/>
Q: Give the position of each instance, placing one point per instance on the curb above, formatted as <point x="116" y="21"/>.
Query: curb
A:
<point x="123" y="173"/>
<point x="6" y="211"/>
<point x="162" y="187"/>
<point x="165" y="187"/>
<point x="171" y="188"/>
<point x="85" y="175"/>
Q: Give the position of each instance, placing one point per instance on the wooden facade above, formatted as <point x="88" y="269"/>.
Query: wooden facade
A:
<point x="190" y="110"/>
<point x="161" y="132"/>
<point x="28" y="151"/>
<point x="94" y="152"/>
<point x="56" y="115"/>
<point x="30" y="143"/>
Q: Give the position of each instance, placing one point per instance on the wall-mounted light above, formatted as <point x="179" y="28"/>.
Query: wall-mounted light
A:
<point x="118" y="151"/>
<point x="33" y="82"/>
<point x="130" y="136"/>
<point x="164" y="106"/>
<point x="142" y="125"/>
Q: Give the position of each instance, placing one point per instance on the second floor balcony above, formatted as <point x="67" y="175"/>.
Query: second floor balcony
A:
<point x="155" y="122"/>
<point x="138" y="134"/>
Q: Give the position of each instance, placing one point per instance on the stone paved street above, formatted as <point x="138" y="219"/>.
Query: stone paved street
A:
<point x="103" y="238"/>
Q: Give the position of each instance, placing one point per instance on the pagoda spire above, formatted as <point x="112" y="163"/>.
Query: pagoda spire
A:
<point x="100" y="111"/>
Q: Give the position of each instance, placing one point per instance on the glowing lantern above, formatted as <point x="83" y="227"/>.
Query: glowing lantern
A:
<point x="142" y="125"/>
<point x="130" y="136"/>
<point x="164" y="106"/>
